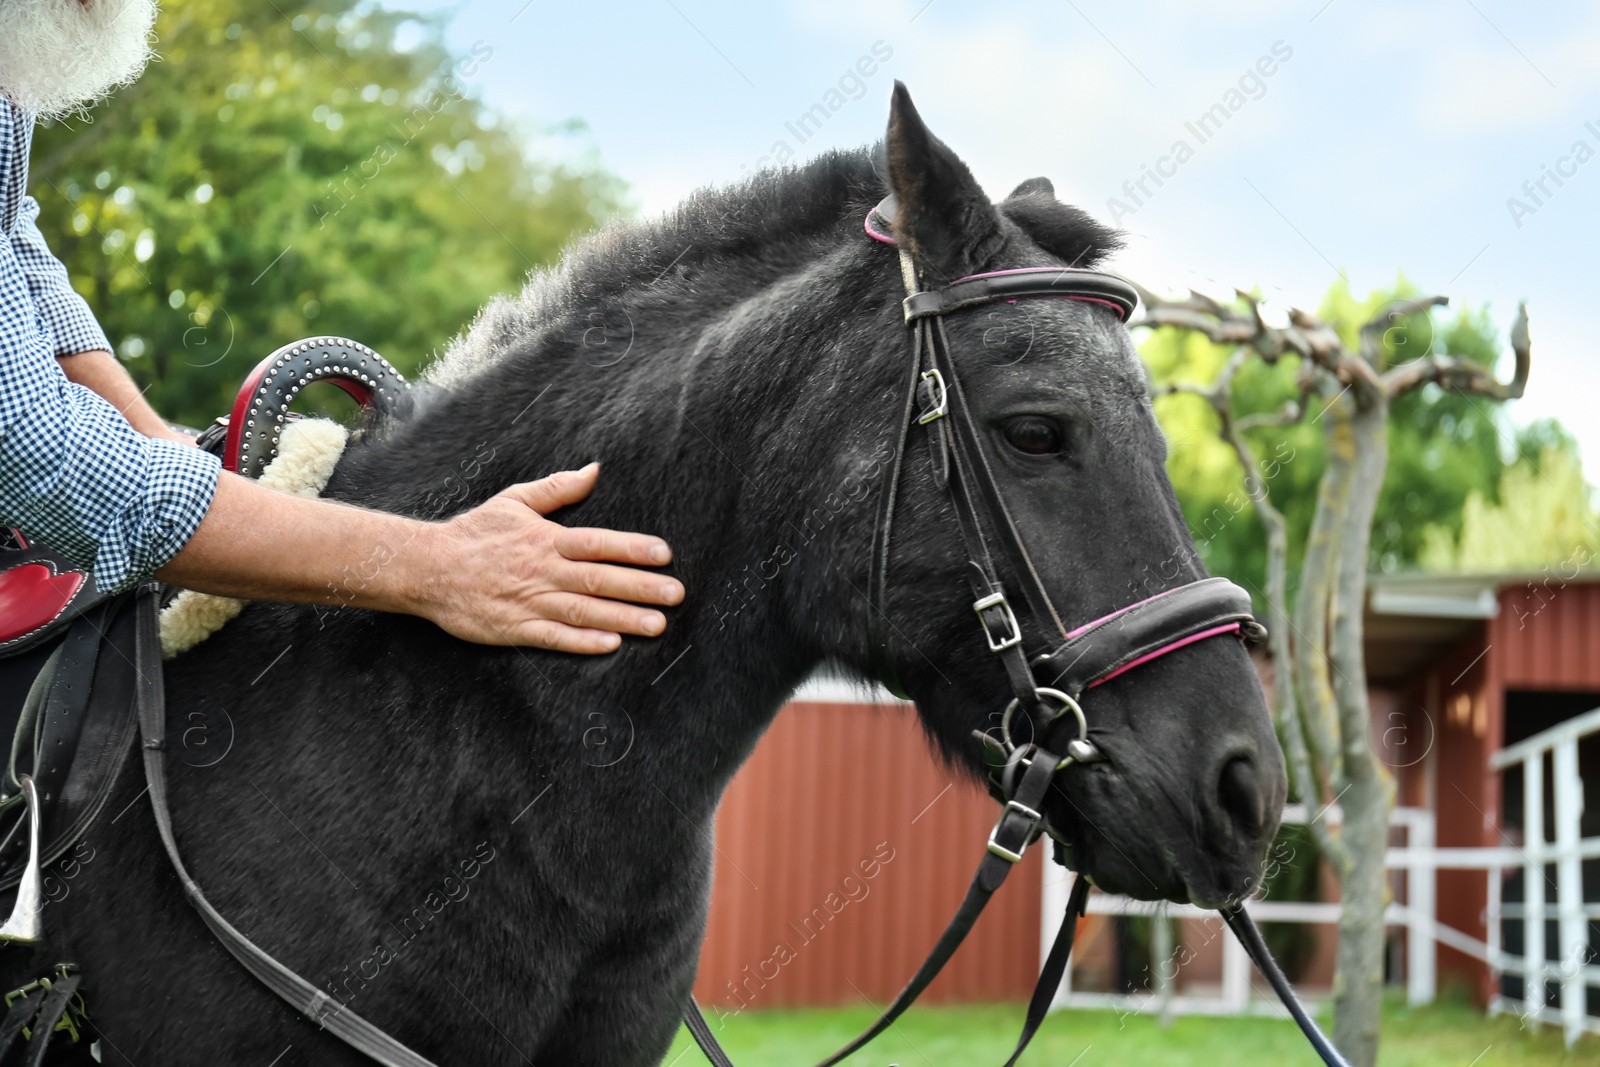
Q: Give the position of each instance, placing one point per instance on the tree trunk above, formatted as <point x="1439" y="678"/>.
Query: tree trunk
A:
<point x="1304" y="777"/>
<point x="1358" y="429"/>
<point x="1319" y="574"/>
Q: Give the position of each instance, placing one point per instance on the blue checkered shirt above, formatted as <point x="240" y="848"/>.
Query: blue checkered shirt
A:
<point x="73" y="474"/>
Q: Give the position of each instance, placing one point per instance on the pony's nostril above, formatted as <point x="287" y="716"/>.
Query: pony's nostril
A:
<point x="1239" y="789"/>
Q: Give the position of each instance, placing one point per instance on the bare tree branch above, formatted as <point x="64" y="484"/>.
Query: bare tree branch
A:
<point x="1306" y="335"/>
<point x="1463" y="375"/>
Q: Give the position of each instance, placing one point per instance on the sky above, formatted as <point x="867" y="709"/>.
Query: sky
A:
<point x="1362" y="139"/>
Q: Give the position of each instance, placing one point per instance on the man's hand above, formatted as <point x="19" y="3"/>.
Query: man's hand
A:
<point x="502" y="574"/>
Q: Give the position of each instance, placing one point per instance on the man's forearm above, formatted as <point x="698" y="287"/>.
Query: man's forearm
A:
<point x="259" y="544"/>
<point x="498" y="574"/>
<point x="100" y="372"/>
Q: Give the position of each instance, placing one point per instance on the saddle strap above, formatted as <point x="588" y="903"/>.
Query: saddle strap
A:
<point x="1013" y="833"/>
<point x="313" y="1003"/>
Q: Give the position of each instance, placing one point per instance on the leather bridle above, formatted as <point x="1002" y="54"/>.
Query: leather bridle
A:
<point x="1046" y="685"/>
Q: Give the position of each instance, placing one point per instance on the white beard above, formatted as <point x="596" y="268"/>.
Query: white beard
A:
<point x="57" y="57"/>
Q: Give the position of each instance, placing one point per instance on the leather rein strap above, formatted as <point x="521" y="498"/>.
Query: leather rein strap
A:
<point x="1047" y="688"/>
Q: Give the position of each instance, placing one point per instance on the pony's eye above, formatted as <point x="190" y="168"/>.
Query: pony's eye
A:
<point x="1033" y="434"/>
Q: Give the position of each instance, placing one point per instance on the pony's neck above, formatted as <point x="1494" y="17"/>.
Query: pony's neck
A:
<point x="712" y="434"/>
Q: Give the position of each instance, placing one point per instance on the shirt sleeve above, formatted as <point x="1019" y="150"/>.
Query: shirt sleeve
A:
<point x="71" y="325"/>
<point x="74" y="474"/>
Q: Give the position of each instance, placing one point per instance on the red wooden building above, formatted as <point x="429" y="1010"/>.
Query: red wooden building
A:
<point x="1470" y="665"/>
<point x="844" y="846"/>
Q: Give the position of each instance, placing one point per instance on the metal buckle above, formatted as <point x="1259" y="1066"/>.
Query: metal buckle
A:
<point x="941" y="404"/>
<point x="1035" y="820"/>
<point x="998" y="600"/>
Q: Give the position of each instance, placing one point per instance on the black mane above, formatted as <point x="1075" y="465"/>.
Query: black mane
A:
<point x="755" y="230"/>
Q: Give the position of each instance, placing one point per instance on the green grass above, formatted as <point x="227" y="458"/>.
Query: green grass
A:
<point x="1448" y="1034"/>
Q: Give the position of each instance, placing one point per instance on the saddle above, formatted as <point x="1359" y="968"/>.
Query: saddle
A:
<point x="70" y="675"/>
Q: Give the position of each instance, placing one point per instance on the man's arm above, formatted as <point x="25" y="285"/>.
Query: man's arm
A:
<point x="75" y="475"/>
<point x="500" y="574"/>
<point x="99" y="371"/>
<point x="75" y="335"/>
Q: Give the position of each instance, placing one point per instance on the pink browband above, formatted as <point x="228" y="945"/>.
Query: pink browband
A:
<point x="878" y="235"/>
<point x="1023" y="270"/>
<point x="875" y="235"/>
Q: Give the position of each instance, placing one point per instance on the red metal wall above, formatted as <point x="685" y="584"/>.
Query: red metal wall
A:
<point x="843" y="848"/>
<point x="1461" y="702"/>
<point x="833" y="787"/>
<point x="1546" y="637"/>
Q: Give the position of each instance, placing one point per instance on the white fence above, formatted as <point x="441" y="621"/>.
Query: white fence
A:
<point x="1418" y="861"/>
<point x="1573" y="970"/>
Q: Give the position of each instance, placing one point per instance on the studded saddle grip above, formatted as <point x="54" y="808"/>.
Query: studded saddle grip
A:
<point x="262" y="406"/>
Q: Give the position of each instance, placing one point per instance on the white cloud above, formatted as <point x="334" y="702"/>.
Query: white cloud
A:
<point x="1475" y="81"/>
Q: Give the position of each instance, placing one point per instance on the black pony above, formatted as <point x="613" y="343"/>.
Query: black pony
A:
<point x="429" y="830"/>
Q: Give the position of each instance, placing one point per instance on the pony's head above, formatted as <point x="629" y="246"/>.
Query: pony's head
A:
<point x="1187" y="800"/>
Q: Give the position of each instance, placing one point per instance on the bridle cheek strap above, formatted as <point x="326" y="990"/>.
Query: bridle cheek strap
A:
<point x="1098" y="651"/>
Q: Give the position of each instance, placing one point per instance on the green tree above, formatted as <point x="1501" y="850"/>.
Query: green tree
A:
<point x="1544" y="520"/>
<point x="286" y="169"/>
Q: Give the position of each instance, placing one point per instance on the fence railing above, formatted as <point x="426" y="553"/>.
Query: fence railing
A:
<point x="1573" y="970"/>
<point x="1419" y="860"/>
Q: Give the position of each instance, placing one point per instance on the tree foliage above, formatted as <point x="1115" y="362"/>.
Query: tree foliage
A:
<point x="295" y="168"/>
<point x="1543" y="520"/>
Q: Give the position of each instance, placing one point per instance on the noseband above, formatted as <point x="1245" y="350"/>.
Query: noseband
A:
<point x="1046" y="675"/>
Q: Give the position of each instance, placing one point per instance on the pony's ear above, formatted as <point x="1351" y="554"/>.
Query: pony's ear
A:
<point x="1060" y="229"/>
<point x="1034" y="187"/>
<point x="941" y="212"/>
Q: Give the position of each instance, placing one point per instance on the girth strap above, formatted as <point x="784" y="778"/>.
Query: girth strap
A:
<point x="313" y="1003"/>
<point x="43" y="1026"/>
<point x="23" y="1010"/>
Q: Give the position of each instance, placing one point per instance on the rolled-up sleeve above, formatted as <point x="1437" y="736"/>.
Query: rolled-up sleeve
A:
<point x="71" y="325"/>
<point x="73" y="473"/>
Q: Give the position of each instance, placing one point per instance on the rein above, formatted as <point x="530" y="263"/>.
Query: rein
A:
<point x="1046" y="688"/>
